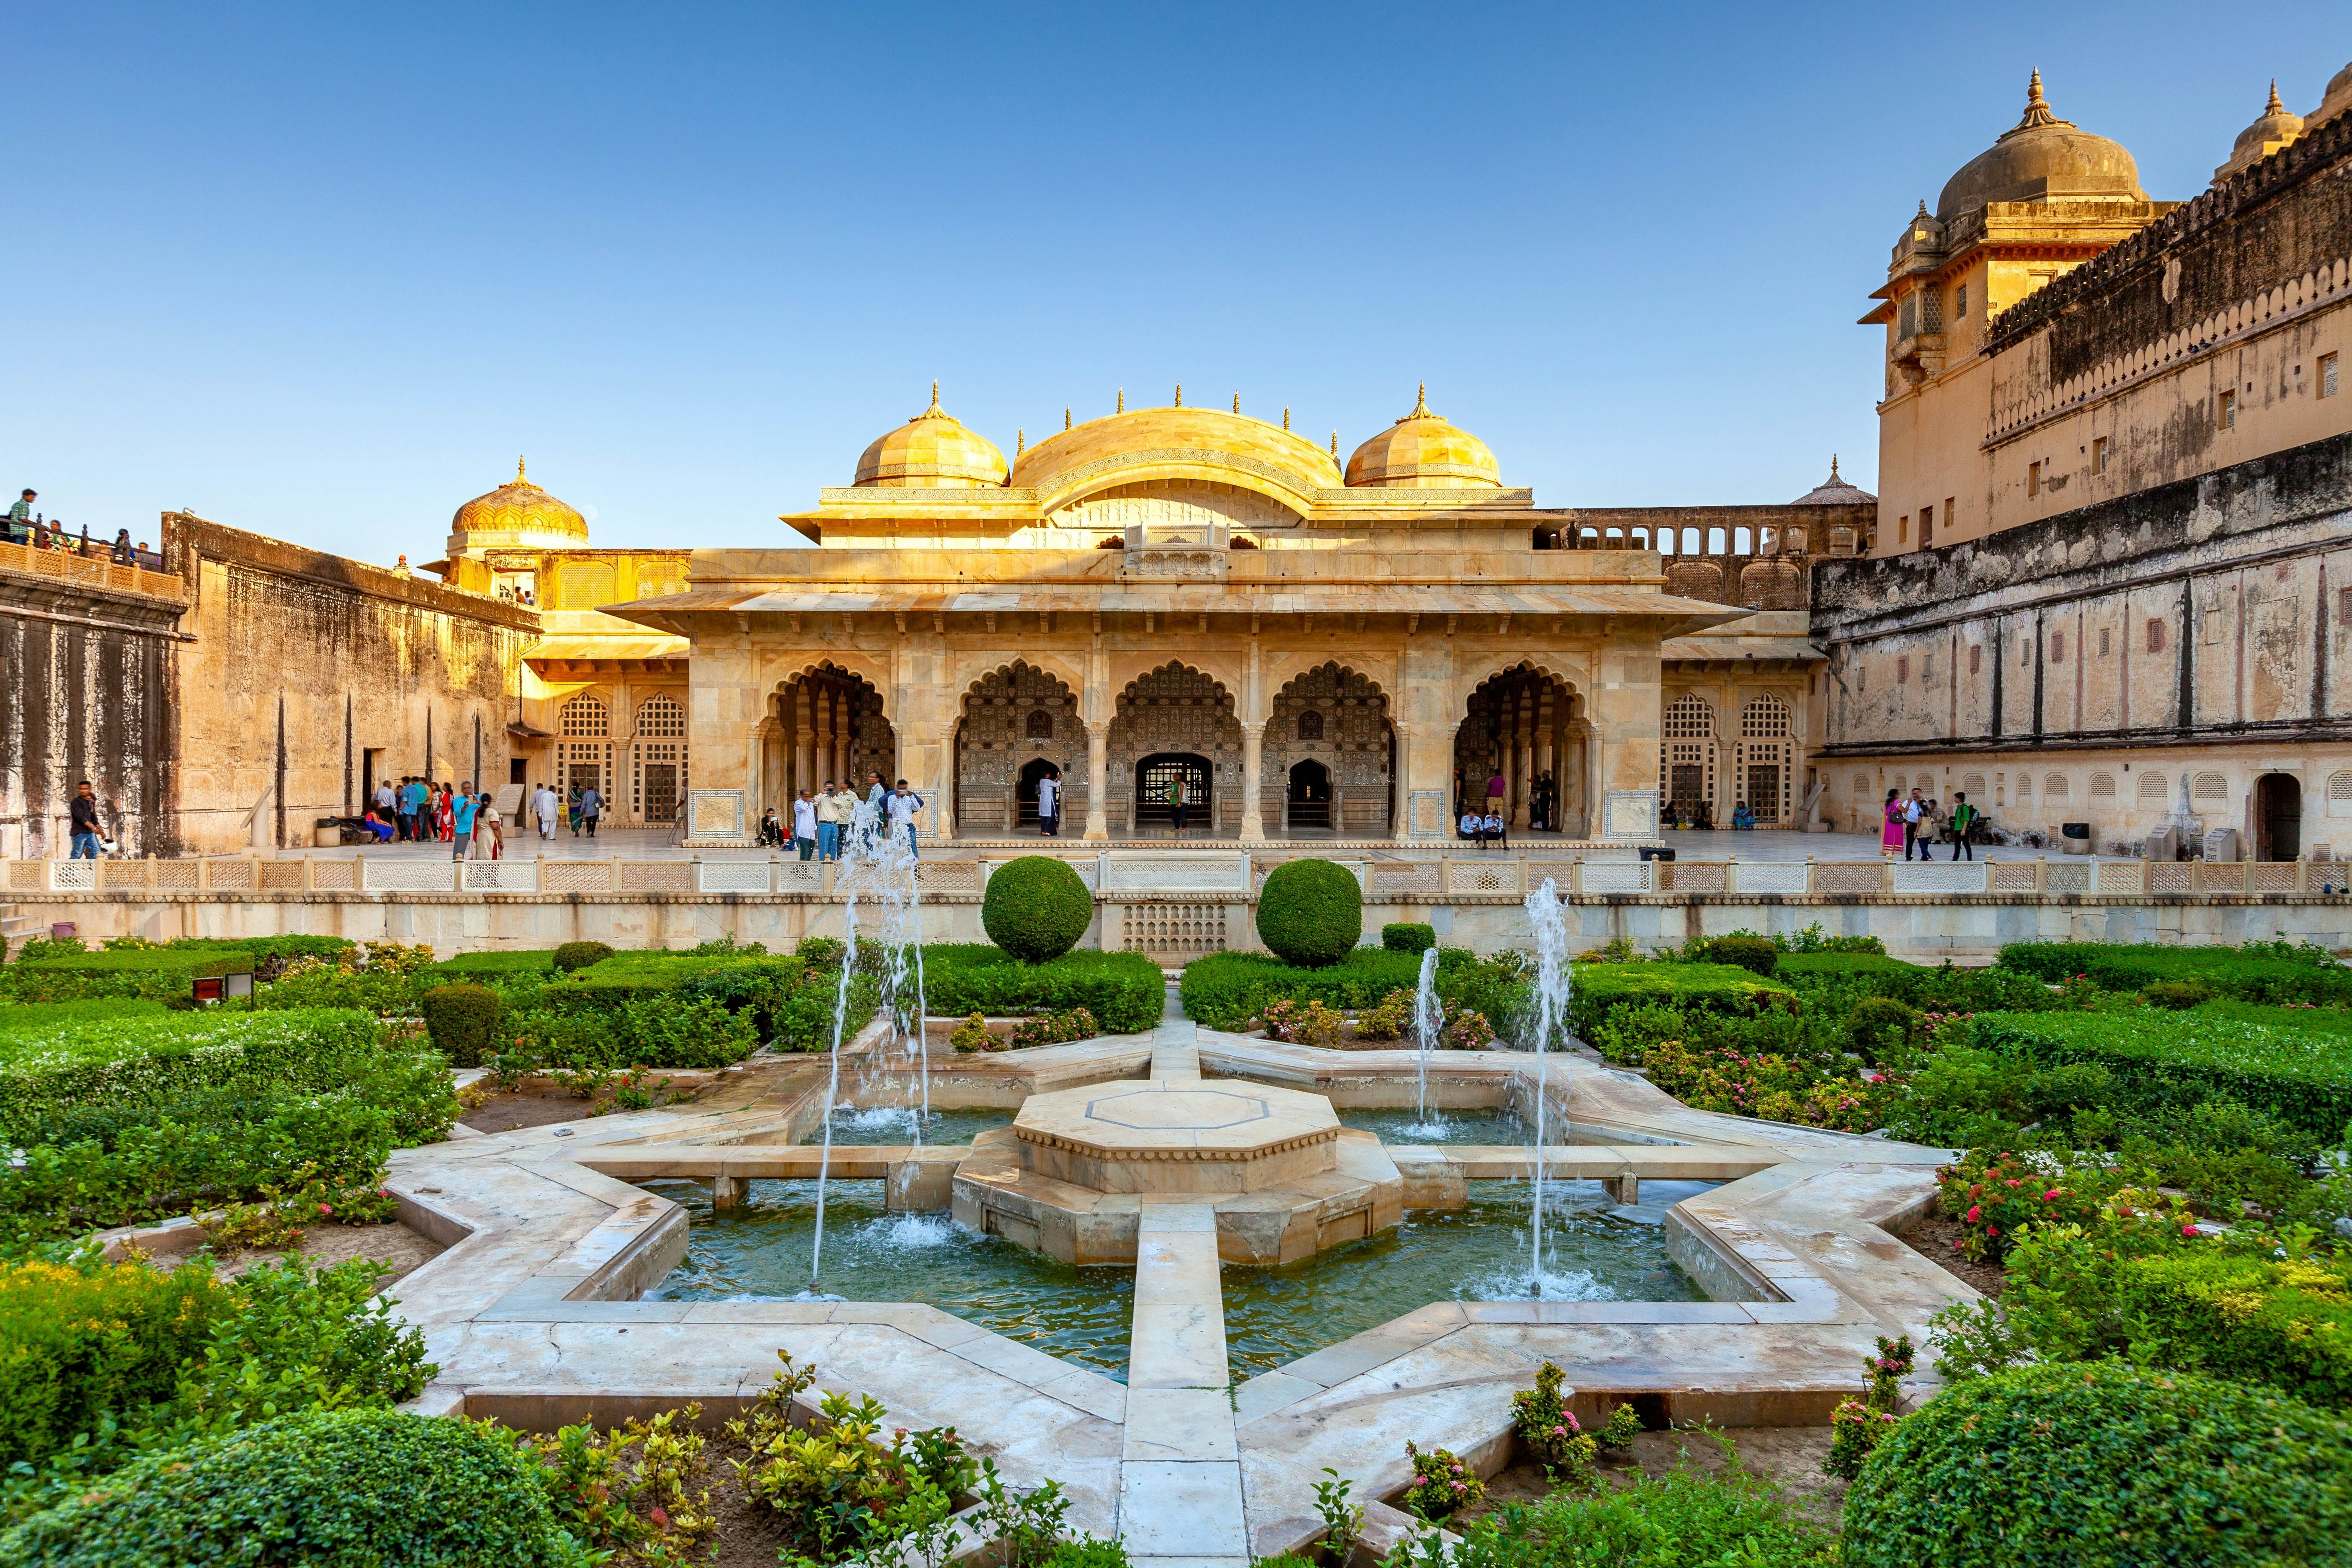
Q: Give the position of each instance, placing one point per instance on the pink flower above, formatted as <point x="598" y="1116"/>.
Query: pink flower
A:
<point x="1993" y="1230"/>
<point x="1974" y="1213"/>
<point x="660" y="1517"/>
<point x="326" y="1208"/>
<point x="2051" y="1196"/>
<point x="2188" y="1230"/>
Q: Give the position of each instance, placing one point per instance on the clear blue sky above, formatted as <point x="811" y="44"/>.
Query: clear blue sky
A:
<point x="322" y="272"/>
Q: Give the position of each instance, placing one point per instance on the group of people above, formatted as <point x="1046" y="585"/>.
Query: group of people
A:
<point x="1488" y="829"/>
<point x="1919" y="823"/>
<point x="820" y="820"/>
<point x="24" y="526"/>
<point x="418" y="811"/>
<point x="1492" y="825"/>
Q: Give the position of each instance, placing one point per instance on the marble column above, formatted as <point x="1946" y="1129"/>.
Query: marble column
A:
<point x="1523" y="749"/>
<point x="1098" y="780"/>
<point x="1547" y="755"/>
<point x="803" y="739"/>
<point x="1253" y="765"/>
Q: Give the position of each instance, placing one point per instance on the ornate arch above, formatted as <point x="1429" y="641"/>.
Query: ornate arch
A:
<point x="1333" y="716"/>
<point x="998" y="750"/>
<point x="1525" y="719"/>
<point x="873" y="670"/>
<point x="1176" y="707"/>
<point x="1764" y="762"/>
<point x="976" y="668"/>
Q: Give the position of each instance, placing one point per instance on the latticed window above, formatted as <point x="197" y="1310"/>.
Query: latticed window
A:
<point x="2154" y="789"/>
<point x="584" y="715"/>
<point x="1686" y="756"/>
<point x="661" y="716"/>
<point x="658" y="782"/>
<point x="585" y="755"/>
<point x="2211" y="786"/>
<point x="1310" y="724"/>
<point x="2339" y="795"/>
<point x="1767" y="769"/>
<point x="2053" y="787"/>
<point x="2103" y="786"/>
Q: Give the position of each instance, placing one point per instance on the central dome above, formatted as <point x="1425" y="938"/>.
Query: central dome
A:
<point x="517" y="512"/>
<point x="2042" y="158"/>
<point x="1178" y="443"/>
<point x="932" y="449"/>
<point x="1421" y="451"/>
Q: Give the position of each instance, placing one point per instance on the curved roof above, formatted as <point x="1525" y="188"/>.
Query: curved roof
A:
<point x="2040" y="158"/>
<point x="1835" y="492"/>
<point x="933" y="448"/>
<point x="1423" y="451"/>
<point x="520" y="508"/>
<point x="2273" y="128"/>
<point x="1191" y="442"/>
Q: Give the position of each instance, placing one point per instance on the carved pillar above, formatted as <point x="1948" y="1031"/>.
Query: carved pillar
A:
<point x="1523" y="751"/>
<point x="1547" y="757"/>
<point x="803" y="739"/>
<point x="1098" y="780"/>
<point x="755" y="741"/>
<point x="1400" y="790"/>
<point x="1253" y="762"/>
<point x="942" y="792"/>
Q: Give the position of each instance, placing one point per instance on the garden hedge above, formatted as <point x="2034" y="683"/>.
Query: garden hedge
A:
<point x="2297" y="1065"/>
<point x="1125" y="991"/>
<point x="1597" y="990"/>
<point x="580" y="954"/>
<point x="1408" y="936"/>
<point x="463" y="1022"/>
<point x="354" y="1489"/>
<point x="2100" y="1465"/>
<point x="1035" y="908"/>
<point x="1310" y="913"/>
<point x="157" y="1058"/>
<point x="2265" y="973"/>
<point x="1226" y="990"/>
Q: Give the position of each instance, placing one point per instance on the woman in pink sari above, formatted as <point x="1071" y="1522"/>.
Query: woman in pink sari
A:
<point x="1890" y="838"/>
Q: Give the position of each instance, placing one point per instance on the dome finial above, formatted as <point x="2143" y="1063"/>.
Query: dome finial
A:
<point x="2274" y="106"/>
<point x="1421" y="400"/>
<point x="1020" y="442"/>
<point x="1066" y="418"/>
<point x="2037" y="113"/>
<point x="1286" y="418"/>
<point x="521" y="478"/>
<point x="1238" y="402"/>
<point x="1179" y="394"/>
<point x="934" y="410"/>
<point x="1335" y="443"/>
<point x="1834" y="473"/>
<point x="1122" y="400"/>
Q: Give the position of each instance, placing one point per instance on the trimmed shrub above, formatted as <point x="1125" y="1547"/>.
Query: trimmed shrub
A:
<point x="2105" y="1464"/>
<point x="1125" y="992"/>
<point x="574" y="955"/>
<point x="35" y="1018"/>
<point x="1226" y="990"/>
<point x="1035" y="908"/>
<point x="352" y="1488"/>
<point x="2176" y="995"/>
<point x="462" y="1022"/>
<point x="77" y="1346"/>
<point x="2295" y="1065"/>
<point x="1408" y="936"/>
<point x="161" y="1058"/>
<point x="1310" y="913"/>
<point x="1880" y="1025"/>
<point x="1754" y="953"/>
<point x="499" y="965"/>
<point x="1600" y="989"/>
<point x="2265" y="971"/>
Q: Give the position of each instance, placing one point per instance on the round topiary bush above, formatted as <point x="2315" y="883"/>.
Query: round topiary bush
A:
<point x="333" y="1489"/>
<point x="1035" y="909"/>
<point x="1880" y="1025"/>
<point x="2102" y="1463"/>
<point x="462" y="1022"/>
<point x="574" y="955"/>
<point x="1754" y="953"/>
<point x="1310" y="913"/>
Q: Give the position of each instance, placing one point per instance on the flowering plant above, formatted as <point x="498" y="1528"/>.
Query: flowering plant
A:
<point x="1441" y="1483"/>
<point x="1303" y="1024"/>
<point x="1468" y="1031"/>
<point x="1549" y="1429"/>
<point x="1995" y="1196"/>
<point x="1857" y="1426"/>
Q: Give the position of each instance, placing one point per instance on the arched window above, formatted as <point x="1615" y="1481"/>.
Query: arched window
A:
<point x="1715" y="542"/>
<point x="2103" y="786"/>
<point x="584" y="715"/>
<point x="661" y="716"/>
<point x="1973" y="785"/>
<point x="1765" y="776"/>
<point x="1690" y="542"/>
<point x="1742" y="541"/>
<point x="2339" y="795"/>
<point x="2211" y="786"/>
<point x="1687" y="757"/>
<point x="1039" y="725"/>
<point x="2154" y="789"/>
<point x="583" y="757"/>
<point x="657" y="778"/>
<point x="2053" y="786"/>
<point x="1310" y="724"/>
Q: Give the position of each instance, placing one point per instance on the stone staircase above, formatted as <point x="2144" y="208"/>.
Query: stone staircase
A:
<point x="15" y="927"/>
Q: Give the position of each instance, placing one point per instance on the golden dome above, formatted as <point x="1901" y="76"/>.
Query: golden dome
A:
<point x="2042" y="158"/>
<point x="521" y="514"/>
<point x="932" y="449"/>
<point x="1178" y="443"/>
<point x="2335" y="101"/>
<point x="1421" y="451"/>
<point x="2265" y="136"/>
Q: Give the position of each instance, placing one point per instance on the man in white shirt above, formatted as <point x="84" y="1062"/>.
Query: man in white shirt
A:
<point x="546" y="808"/>
<point x="1912" y="810"/>
<point x="834" y="810"/>
<point x="904" y="804"/>
<point x="1474" y="826"/>
<point x="1049" y="806"/>
<point x="804" y="825"/>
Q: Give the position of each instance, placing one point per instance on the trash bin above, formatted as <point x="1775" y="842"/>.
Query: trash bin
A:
<point x="61" y="930"/>
<point x="1656" y="852"/>
<point x="327" y="833"/>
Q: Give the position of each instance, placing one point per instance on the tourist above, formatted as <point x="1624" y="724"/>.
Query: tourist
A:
<point x="804" y="825"/>
<point x="462" y="821"/>
<point x="771" y="829"/>
<point x="1049" y="806"/>
<point x="1547" y="797"/>
<point x="1496" y="790"/>
<point x="20" y="519"/>
<point x="405" y="811"/>
<point x="1742" y="819"/>
<point x="88" y="827"/>
<point x="387" y="808"/>
<point x="834" y="810"/>
<point x="591" y="806"/>
<point x="376" y="824"/>
<point x="489" y="830"/>
<point x="1914" y="810"/>
<point x="444" y="814"/>
<point x="877" y="797"/>
<point x="904" y="804"/>
<point x="1497" y="829"/>
<point x="1964" y="821"/>
<point x="420" y="807"/>
<point x="1890" y="837"/>
<point x="1473" y="825"/>
<point x="121" y="554"/>
<point x="546" y="807"/>
<point x="571" y="810"/>
<point x="1180" y="801"/>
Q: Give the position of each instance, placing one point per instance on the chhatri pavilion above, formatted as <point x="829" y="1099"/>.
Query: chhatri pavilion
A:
<point x="1185" y="603"/>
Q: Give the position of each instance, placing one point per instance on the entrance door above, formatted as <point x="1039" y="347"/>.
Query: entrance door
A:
<point x="2278" y="816"/>
<point x="1310" y="794"/>
<point x="1687" y="788"/>
<point x="661" y="791"/>
<point x="1026" y="791"/>
<point x="1764" y="791"/>
<point x="1163" y="781"/>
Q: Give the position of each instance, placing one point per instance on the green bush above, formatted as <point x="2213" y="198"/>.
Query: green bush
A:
<point x="502" y="964"/>
<point x="1125" y="991"/>
<point x="154" y="974"/>
<point x="463" y="1022"/>
<point x="2106" y="1465"/>
<point x="34" y="1017"/>
<point x="1600" y="989"/>
<point x="2176" y="995"/>
<point x="1879" y="1026"/>
<point x="1408" y="936"/>
<point x="80" y="1345"/>
<point x="1754" y="953"/>
<point x="2259" y="972"/>
<point x="1226" y="990"/>
<point x="1035" y="908"/>
<point x="1311" y="913"/>
<point x="2296" y="1065"/>
<point x="154" y="1058"/>
<point x="347" y="1488"/>
<point x="574" y="955"/>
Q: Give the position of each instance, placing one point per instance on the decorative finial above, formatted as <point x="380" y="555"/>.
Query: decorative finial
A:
<point x="1238" y="402"/>
<point x="1922" y="214"/>
<point x="1066" y="418"/>
<point x="1420" y="401"/>
<point x="518" y="473"/>
<point x="1122" y="400"/>
<point x="1020" y="442"/>
<point x="1335" y="443"/>
<point x="934" y="408"/>
<point x="1286" y="418"/>
<point x="1179" y="394"/>
<point x="2037" y="110"/>
<point x="1833" y="479"/>
<point x="2034" y="89"/>
<point x="2274" y="106"/>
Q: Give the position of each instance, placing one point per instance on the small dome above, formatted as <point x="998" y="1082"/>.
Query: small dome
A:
<point x="932" y="449"/>
<point x="1835" y="492"/>
<point x="1421" y="451"/>
<point x="2265" y="136"/>
<point x="520" y="511"/>
<point x="2334" y="102"/>
<point x="2042" y="158"/>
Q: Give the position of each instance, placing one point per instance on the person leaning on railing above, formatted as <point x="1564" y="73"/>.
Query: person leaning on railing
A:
<point x="20" y="519"/>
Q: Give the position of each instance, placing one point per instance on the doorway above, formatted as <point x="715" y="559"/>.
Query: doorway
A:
<point x="2278" y="817"/>
<point x="1026" y="791"/>
<point x="371" y="773"/>
<point x="1764" y="791"/>
<point x="1165" y="781"/>
<point x="1310" y="794"/>
<point x="1686" y="790"/>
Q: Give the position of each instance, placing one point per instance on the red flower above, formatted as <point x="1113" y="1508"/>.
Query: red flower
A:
<point x="2188" y="1230"/>
<point x="326" y="1208"/>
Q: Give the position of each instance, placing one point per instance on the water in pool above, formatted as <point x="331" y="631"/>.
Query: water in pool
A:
<point x="896" y="1124"/>
<point x="1596" y="1251"/>
<point x="1467" y="1126"/>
